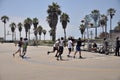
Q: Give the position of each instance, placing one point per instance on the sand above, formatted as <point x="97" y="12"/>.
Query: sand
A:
<point x="39" y="66"/>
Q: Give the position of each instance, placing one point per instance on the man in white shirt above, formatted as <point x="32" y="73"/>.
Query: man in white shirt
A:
<point x="70" y="46"/>
<point x="55" y="48"/>
<point x="61" y="48"/>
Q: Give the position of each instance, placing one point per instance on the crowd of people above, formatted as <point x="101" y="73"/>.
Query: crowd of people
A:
<point x="59" y="47"/>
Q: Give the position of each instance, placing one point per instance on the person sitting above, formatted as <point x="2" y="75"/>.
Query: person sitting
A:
<point x="94" y="47"/>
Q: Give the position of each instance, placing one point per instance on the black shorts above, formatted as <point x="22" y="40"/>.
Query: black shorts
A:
<point x="70" y="49"/>
<point x="55" y="48"/>
<point x="61" y="49"/>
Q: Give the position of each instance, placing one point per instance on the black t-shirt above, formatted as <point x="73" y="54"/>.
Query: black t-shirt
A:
<point x="79" y="43"/>
<point x="20" y="43"/>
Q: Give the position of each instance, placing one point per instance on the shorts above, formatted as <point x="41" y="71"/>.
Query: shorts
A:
<point x="78" y="48"/>
<point x="61" y="49"/>
<point x="55" y="48"/>
<point x="25" y="49"/>
<point x="69" y="49"/>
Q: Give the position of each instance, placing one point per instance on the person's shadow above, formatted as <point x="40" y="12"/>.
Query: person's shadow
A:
<point x="26" y="57"/>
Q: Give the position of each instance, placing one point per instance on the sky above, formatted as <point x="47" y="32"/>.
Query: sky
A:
<point x="19" y="10"/>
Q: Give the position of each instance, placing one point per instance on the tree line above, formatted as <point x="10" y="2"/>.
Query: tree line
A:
<point x="54" y="11"/>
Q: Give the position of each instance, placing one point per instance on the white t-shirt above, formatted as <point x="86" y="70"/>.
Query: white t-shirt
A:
<point x="61" y="43"/>
<point x="56" y="44"/>
<point x="69" y="44"/>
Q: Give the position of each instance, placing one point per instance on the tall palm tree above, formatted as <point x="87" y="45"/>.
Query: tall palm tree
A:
<point x="64" y="19"/>
<point x="4" y="20"/>
<point x="35" y="24"/>
<point x="39" y="30"/>
<point x="44" y="32"/>
<point x="95" y="15"/>
<point x="103" y="23"/>
<point x="52" y="18"/>
<point x="111" y="13"/>
<point x="13" y="26"/>
<point x="86" y="21"/>
<point x="27" y="26"/>
<point x="20" y="27"/>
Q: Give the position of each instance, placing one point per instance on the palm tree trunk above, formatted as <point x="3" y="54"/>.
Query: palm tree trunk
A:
<point x="20" y="34"/>
<point x="82" y="36"/>
<point x="54" y="35"/>
<point x="4" y="32"/>
<point x="36" y="39"/>
<point x="87" y="33"/>
<point x="12" y="36"/>
<point x="15" y="35"/>
<point x="110" y="26"/>
<point x="44" y="37"/>
<point x="26" y="34"/>
<point x="102" y="28"/>
<point x="106" y="31"/>
<point x="95" y="30"/>
<point x="65" y="36"/>
<point x="29" y="34"/>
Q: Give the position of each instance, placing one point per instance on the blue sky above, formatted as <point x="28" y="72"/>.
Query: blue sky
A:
<point x="18" y="10"/>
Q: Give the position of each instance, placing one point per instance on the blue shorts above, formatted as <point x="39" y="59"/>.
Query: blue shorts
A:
<point x="78" y="48"/>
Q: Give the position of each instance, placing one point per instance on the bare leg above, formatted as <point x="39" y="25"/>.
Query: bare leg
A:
<point x="80" y="54"/>
<point x="16" y="52"/>
<point x="74" y="54"/>
<point x="56" y="54"/>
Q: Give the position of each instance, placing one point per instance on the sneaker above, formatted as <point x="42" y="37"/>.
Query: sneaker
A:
<point x="48" y="53"/>
<point x="13" y="55"/>
<point x="73" y="56"/>
<point x="80" y="57"/>
<point x="68" y="55"/>
<point x="22" y="56"/>
<point x="57" y="59"/>
<point x="56" y="56"/>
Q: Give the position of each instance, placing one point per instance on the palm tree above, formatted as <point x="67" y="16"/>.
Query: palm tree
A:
<point x="4" y="20"/>
<point x="13" y="26"/>
<point x="44" y="32"/>
<point x="27" y="26"/>
<point x="39" y="30"/>
<point x="86" y="21"/>
<point x="111" y="13"/>
<point x="82" y="29"/>
<point x="35" y="24"/>
<point x="20" y="27"/>
<point x="117" y="28"/>
<point x="103" y="23"/>
<point x="51" y="33"/>
<point x="64" y="19"/>
<point x="95" y="15"/>
<point x="52" y="18"/>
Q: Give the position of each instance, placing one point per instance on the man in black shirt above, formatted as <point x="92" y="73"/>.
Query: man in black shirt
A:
<point x="117" y="47"/>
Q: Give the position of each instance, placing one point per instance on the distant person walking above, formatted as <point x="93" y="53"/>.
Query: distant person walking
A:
<point x="117" y="47"/>
<point x="20" y="43"/>
<point x="105" y="46"/>
<point x="55" y="48"/>
<point x="25" y="44"/>
<point x="78" y="48"/>
<point x="70" y="46"/>
<point x="61" y="48"/>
